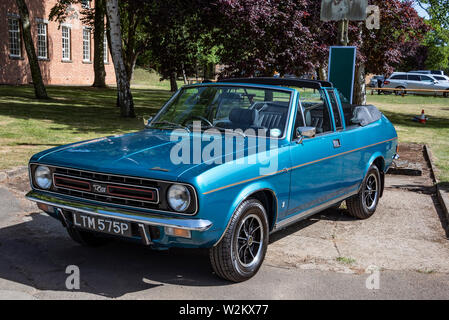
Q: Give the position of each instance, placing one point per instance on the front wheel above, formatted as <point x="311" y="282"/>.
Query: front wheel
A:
<point x="364" y="204"/>
<point x="241" y="251"/>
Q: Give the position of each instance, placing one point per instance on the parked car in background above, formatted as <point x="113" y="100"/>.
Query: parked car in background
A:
<point x="438" y="72"/>
<point x="404" y="80"/>
<point x="373" y="83"/>
<point x="129" y="187"/>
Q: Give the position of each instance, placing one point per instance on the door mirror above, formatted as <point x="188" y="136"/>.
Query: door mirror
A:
<point x="305" y="132"/>
<point x="147" y="121"/>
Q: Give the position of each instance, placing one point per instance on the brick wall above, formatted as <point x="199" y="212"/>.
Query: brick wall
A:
<point x="54" y="70"/>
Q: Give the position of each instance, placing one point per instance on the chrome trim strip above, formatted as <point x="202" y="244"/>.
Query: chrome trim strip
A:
<point x="309" y="212"/>
<point x="107" y="183"/>
<point x="130" y="216"/>
<point x="149" y="210"/>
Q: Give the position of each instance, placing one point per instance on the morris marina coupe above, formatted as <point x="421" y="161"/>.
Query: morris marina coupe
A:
<point x="221" y="166"/>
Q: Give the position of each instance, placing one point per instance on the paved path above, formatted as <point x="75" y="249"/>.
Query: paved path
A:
<point x="324" y="257"/>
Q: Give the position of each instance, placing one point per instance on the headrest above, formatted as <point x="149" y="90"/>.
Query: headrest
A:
<point x="243" y="116"/>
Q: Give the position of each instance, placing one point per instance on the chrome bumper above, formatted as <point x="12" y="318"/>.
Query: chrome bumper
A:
<point x="131" y="216"/>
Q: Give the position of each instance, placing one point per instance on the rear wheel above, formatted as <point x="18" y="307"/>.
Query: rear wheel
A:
<point x="446" y="94"/>
<point x="364" y="204"/>
<point x="241" y="251"/>
<point x="86" y="238"/>
<point x="399" y="92"/>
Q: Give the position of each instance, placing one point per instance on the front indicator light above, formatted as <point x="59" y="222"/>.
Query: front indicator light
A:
<point x="176" y="232"/>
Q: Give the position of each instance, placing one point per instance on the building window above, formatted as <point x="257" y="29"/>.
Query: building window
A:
<point x="42" y="52"/>
<point x="105" y="48"/>
<point x="86" y="44"/>
<point x="85" y="4"/>
<point x="66" y="43"/>
<point x="14" y="37"/>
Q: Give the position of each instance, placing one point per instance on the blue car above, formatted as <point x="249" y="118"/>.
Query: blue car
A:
<point x="221" y="166"/>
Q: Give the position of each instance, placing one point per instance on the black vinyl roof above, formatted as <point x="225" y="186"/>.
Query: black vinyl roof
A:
<point x="292" y="82"/>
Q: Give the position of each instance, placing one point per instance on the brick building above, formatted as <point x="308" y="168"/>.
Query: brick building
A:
<point x="65" y="50"/>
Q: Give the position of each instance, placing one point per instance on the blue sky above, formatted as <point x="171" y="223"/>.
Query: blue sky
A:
<point x="421" y="12"/>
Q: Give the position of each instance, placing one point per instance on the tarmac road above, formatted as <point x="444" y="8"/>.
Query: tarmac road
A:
<point x="324" y="257"/>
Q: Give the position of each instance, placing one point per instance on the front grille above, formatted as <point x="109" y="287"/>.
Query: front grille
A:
<point x="114" y="189"/>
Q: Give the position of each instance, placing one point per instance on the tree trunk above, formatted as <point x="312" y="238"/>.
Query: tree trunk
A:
<point x="124" y="97"/>
<point x="322" y="73"/>
<point x="173" y="83"/>
<point x="100" y="73"/>
<point x="184" y="77"/>
<point x="38" y="83"/>
<point x="359" y="97"/>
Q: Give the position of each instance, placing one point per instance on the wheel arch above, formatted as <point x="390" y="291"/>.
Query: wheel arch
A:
<point x="379" y="161"/>
<point x="265" y="193"/>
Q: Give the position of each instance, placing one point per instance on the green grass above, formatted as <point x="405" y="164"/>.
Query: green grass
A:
<point x="72" y="114"/>
<point x="345" y="260"/>
<point x="149" y="79"/>
<point x="435" y="133"/>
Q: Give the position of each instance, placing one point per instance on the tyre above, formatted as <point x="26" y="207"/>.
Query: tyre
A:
<point x="86" y="238"/>
<point x="399" y="92"/>
<point x="446" y="94"/>
<point x="241" y="251"/>
<point x="364" y="204"/>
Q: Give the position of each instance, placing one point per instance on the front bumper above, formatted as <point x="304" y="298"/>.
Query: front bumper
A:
<point x="196" y="226"/>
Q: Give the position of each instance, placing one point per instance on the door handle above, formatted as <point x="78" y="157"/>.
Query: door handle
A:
<point x="336" y="143"/>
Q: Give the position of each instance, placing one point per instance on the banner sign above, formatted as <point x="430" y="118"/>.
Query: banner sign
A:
<point x="336" y="10"/>
<point x="341" y="69"/>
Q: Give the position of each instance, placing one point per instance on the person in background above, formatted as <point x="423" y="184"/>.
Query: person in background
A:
<point x="379" y="85"/>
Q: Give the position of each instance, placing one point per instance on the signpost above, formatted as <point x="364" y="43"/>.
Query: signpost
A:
<point x="341" y="68"/>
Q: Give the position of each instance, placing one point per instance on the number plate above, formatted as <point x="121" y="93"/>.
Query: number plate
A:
<point x="100" y="224"/>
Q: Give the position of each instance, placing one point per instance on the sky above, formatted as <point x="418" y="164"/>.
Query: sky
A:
<point x="421" y="12"/>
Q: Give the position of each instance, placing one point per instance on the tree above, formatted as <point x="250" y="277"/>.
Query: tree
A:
<point x="259" y="37"/>
<point x="175" y="33"/>
<point x="99" y="32"/>
<point x="124" y="96"/>
<point x="38" y="83"/>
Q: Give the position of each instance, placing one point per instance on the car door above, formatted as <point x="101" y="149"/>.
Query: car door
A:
<point x="316" y="171"/>
<point x="427" y="83"/>
<point x="413" y="82"/>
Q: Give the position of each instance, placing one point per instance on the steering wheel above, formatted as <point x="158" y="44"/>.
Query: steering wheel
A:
<point x="210" y="124"/>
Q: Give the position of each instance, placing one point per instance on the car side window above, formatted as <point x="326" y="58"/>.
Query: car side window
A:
<point x="413" y="77"/>
<point x="399" y="77"/>
<point x="335" y="109"/>
<point x="316" y="110"/>
<point x="426" y="79"/>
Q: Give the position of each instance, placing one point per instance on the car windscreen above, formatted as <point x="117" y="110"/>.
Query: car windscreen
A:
<point x="228" y="107"/>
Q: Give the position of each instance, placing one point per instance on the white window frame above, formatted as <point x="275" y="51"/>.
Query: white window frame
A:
<point x="42" y="40"/>
<point x="66" y="45"/>
<point x="87" y="45"/>
<point x="14" y="34"/>
<point x="105" y="48"/>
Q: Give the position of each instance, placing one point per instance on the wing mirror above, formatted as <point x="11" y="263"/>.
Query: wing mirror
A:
<point x="304" y="132"/>
<point x="147" y="121"/>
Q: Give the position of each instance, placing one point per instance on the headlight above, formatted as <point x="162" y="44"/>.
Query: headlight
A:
<point x="178" y="197"/>
<point x="42" y="177"/>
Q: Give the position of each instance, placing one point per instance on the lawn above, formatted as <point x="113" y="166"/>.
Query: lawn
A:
<point x="435" y="133"/>
<point x="78" y="113"/>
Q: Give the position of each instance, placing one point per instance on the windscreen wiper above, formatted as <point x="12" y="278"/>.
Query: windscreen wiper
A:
<point x="171" y="125"/>
<point x="230" y="131"/>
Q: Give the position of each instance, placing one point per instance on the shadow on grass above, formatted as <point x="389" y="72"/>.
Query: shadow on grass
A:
<point x="406" y="120"/>
<point x="80" y="108"/>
